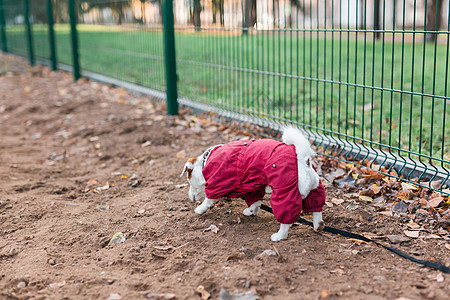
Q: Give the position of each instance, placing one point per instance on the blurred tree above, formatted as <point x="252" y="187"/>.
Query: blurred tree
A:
<point x="117" y="7"/>
<point x="196" y="15"/>
<point x="218" y="7"/>
<point x="434" y="13"/>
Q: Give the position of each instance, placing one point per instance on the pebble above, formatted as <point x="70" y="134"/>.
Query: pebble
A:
<point x="21" y="285"/>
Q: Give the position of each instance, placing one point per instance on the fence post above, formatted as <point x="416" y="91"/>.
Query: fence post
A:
<point x="51" y="34"/>
<point x="29" y="33"/>
<point x="74" y="38"/>
<point x="3" y="27"/>
<point x="169" y="57"/>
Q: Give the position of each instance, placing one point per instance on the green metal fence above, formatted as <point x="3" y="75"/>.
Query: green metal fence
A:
<point x="365" y="79"/>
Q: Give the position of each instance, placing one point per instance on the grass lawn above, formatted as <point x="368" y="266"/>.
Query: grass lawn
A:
<point x="349" y="86"/>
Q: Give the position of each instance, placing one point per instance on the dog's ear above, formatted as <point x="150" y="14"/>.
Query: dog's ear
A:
<point x="189" y="167"/>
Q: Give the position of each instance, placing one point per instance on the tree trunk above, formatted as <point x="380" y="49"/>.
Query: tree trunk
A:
<point x="254" y="12"/>
<point x="221" y="8"/>
<point x="433" y="19"/>
<point x="376" y="17"/>
<point x="246" y="15"/>
<point x="197" y="11"/>
<point x="214" y="10"/>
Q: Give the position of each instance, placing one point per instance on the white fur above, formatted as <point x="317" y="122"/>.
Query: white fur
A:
<point x="253" y="209"/>
<point x="207" y="203"/>
<point x="307" y="180"/>
<point x="282" y="234"/>
<point x="317" y="221"/>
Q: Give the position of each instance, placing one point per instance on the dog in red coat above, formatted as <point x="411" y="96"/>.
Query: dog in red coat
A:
<point x="249" y="169"/>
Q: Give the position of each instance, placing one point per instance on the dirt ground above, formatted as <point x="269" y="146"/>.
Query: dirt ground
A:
<point x="80" y="162"/>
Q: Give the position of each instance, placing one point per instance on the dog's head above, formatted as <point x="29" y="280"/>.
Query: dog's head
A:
<point x="193" y="170"/>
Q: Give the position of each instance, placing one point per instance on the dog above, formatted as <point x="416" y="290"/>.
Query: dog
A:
<point x="249" y="169"/>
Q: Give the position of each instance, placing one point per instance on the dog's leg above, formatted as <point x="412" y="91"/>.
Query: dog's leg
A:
<point x="253" y="209"/>
<point x="317" y="221"/>
<point x="207" y="203"/>
<point x="281" y="234"/>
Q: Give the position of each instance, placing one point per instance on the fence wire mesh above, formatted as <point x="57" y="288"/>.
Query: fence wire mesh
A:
<point x="365" y="79"/>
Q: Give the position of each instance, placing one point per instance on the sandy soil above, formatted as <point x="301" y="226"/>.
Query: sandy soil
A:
<point x="80" y="162"/>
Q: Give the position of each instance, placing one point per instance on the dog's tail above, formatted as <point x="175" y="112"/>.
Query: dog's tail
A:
<point x="307" y="176"/>
<point x="293" y="136"/>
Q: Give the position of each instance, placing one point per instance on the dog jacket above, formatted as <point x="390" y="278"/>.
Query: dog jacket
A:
<point x="242" y="169"/>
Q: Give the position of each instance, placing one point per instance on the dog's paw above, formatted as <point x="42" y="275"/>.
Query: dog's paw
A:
<point x="251" y="211"/>
<point x="200" y="210"/>
<point x="319" y="227"/>
<point x="276" y="237"/>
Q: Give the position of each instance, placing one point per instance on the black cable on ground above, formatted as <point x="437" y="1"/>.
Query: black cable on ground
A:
<point x="348" y="234"/>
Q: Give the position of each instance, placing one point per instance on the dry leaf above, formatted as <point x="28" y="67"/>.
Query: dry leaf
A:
<point x="204" y="293"/>
<point x="366" y="198"/>
<point x="181" y="154"/>
<point x="337" y="201"/>
<point x="413" y="225"/>
<point x="92" y="182"/>
<point x="324" y="294"/>
<point x="359" y="242"/>
<point x="375" y="189"/>
<point x="408" y="187"/>
<point x="411" y="233"/>
<point x="435" y="202"/>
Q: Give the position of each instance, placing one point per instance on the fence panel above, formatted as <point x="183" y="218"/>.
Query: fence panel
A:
<point x="365" y="79"/>
<point x="14" y="12"/>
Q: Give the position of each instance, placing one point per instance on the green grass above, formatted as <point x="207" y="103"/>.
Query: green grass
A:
<point x="268" y="74"/>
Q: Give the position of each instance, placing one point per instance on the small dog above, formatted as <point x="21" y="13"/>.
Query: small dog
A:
<point x="249" y="169"/>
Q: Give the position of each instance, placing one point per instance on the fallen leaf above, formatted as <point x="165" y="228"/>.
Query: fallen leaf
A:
<point x="203" y="293"/>
<point x="359" y="242"/>
<point x="117" y="238"/>
<point x="396" y="239"/>
<point x="413" y="225"/>
<point x="92" y="182"/>
<point x="408" y="187"/>
<point x="337" y="201"/>
<point x="105" y="187"/>
<point x="240" y="255"/>
<point x="163" y="248"/>
<point x="411" y="233"/>
<point x="324" y="294"/>
<point x="365" y="198"/>
<point x="212" y="228"/>
<point x="336" y="174"/>
<point x="400" y="207"/>
<point x="375" y="189"/>
<point x="435" y="202"/>
<point x="346" y="181"/>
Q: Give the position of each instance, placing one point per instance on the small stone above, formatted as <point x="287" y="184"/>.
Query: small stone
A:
<point x="134" y="183"/>
<point x="396" y="239"/>
<point x="114" y="296"/>
<point x="13" y="251"/>
<point x="21" y="284"/>
<point x="51" y="262"/>
<point x="268" y="253"/>
<point x="141" y="211"/>
<point x="379" y="278"/>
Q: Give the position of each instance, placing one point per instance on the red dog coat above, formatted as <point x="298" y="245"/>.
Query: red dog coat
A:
<point x="244" y="168"/>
